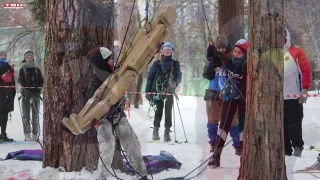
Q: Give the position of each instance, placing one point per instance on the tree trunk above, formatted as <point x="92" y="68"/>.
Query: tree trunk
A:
<point x="231" y="19"/>
<point x="263" y="148"/>
<point x="72" y="29"/>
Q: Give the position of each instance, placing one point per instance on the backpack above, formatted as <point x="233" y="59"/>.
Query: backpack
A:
<point x="208" y="71"/>
<point x="32" y="77"/>
<point x="8" y="77"/>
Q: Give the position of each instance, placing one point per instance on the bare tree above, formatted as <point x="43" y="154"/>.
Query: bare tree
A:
<point x="72" y="29"/>
<point x="263" y="152"/>
<point x="231" y="19"/>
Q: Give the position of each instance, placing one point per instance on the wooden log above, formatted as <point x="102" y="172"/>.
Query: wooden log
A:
<point x="138" y="55"/>
<point x="165" y="15"/>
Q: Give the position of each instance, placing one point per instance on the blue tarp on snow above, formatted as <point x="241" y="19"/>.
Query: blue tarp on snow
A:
<point x="26" y="155"/>
<point x="156" y="163"/>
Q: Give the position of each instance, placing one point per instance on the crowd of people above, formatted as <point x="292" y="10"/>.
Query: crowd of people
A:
<point x="31" y="81"/>
<point x="225" y="99"/>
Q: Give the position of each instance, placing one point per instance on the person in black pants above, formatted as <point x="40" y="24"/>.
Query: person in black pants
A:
<point x="7" y="95"/>
<point x="164" y="76"/>
<point x="297" y="80"/>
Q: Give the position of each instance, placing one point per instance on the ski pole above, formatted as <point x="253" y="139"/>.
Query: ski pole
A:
<point x="174" y="125"/>
<point x="181" y="119"/>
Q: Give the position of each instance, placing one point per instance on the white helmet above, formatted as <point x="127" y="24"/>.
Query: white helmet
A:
<point x="105" y="52"/>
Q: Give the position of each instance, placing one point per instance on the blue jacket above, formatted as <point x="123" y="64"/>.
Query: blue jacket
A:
<point x="217" y="83"/>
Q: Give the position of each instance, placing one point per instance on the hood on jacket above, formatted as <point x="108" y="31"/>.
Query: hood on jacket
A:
<point x="287" y="43"/>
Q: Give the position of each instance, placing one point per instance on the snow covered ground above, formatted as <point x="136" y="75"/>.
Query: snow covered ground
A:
<point x="190" y="154"/>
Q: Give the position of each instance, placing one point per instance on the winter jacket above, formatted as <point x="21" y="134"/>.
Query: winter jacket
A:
<point x="297" y="71"/>
<point x="101" y="72"/>
<point x="7" y="95"/>
<point x="161" y="73"/>
<point x="30" y="68"/>
<point x="219" y="60"/>
<point x="239" y="77"/>
<point x="100" y="67"/>
<point x="239" y="74"/>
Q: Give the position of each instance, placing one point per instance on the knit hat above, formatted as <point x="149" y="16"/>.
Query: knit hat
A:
<point x="221" y="41"/>
<point x="168" y="45"/>
<point x="105" y="52"/>
<point x="28" y="53"/>
<point x="3" y="53"/>
<point x="243" y="45"/>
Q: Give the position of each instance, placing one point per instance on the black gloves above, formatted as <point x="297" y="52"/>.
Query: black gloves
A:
<point x="149" y="97"/>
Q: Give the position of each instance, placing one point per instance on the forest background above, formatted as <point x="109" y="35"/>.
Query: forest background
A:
<point x="19" y="32"/>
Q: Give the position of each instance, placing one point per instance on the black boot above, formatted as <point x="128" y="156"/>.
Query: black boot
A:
<point x="215" y="160"/>
<point x="155" y="134"/>
<point x="212" y="146"/>
<point x="167" y="135"/>
<point x="4" y="138"/>
<point x="144" y="178"/>
<point x="297" y="151"/>
<point x="238" y="151"/>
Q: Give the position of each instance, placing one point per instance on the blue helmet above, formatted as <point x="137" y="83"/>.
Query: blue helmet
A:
<point x="168" y="44"/>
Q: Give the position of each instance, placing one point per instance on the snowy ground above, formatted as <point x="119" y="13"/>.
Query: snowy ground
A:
<point x="190" y="154"/>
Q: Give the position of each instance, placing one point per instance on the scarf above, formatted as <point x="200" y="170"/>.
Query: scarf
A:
<point x="3" y="61"/>
<point x="237" y="62"/>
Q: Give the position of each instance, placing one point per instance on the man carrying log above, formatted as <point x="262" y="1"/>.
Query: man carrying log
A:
<point x="113" y="124"/>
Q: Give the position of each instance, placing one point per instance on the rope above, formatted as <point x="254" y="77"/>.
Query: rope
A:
<point x="180" y="94"/>
<point x="205" y="16"/>
<point x="125" y="35"/>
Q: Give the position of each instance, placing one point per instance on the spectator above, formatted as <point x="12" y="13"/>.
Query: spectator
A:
<point x="233" y="97"/>
<point x="7" y="95"/>
<point x="218" y="54"/>
<point x="31" y="80"/>
<point x="297" y="80"/>
<point x="164" y="76"/>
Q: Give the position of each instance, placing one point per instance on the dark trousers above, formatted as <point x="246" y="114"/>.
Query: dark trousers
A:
<point x="241" y="118"/>
<point x="167" y="105"/>
<point x="3" y="121"/>
<point x="293" y="115"/>
<point x="228" y="110"/>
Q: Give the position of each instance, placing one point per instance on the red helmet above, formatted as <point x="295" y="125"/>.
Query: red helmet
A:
<point x="242" y="44"/>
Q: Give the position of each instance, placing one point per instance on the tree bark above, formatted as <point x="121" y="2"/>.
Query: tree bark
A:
<point x="263" y="149"/>
<point x="231" y="19"/>
<point x="72" y="29"/>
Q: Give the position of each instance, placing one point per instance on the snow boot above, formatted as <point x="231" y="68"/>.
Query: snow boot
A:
<point x="167" y="135"/>
<point x="212" y="146"/>
<point x="155" y="135"/>
<point x="212" y="133"/>
<point x="35" y="137"/>
<point x="27" y="137"/>
<point x="297" y="151"/>
<point x="144" y="178"/>
<point x="4" y="138"/>
<point x="215" y="160"/>
<point x="234" y="133"/>
<point x="238" y="151"/>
